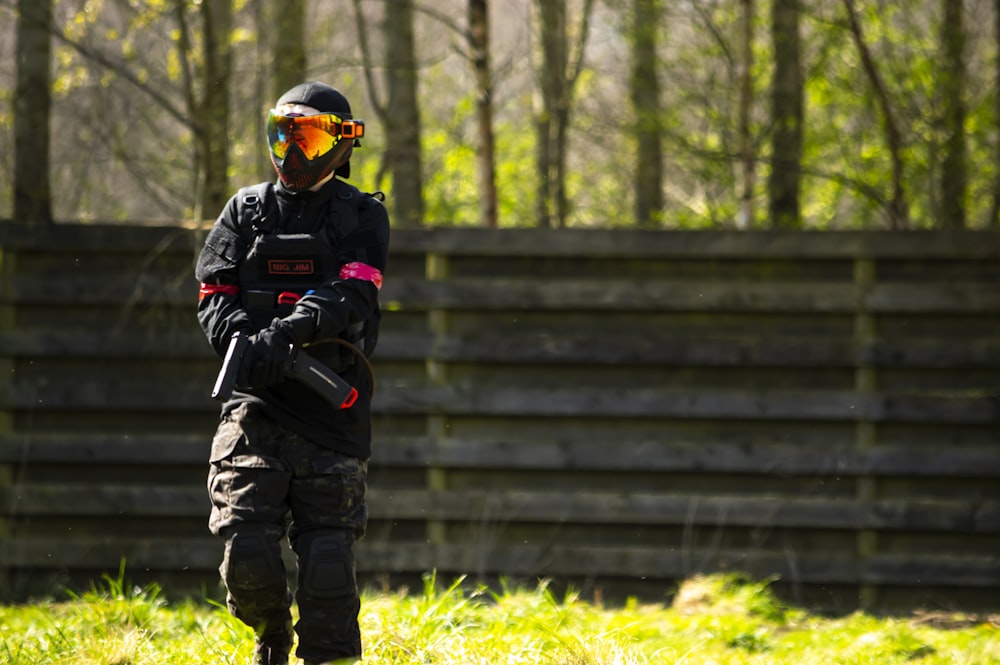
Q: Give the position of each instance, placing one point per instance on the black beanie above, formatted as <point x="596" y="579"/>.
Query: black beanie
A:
<point x="318" y="95"/>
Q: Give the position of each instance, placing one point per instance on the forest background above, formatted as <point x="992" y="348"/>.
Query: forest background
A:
<point x="813" y="114"/>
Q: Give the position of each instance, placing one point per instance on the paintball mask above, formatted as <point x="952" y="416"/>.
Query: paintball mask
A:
<point x="305" y="149"/>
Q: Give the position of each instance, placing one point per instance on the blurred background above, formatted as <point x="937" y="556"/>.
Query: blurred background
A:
<point x="828" y="114"/>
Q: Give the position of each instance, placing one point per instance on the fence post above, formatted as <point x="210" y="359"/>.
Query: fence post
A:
<point x="865" y="384"/>
<point x="436" y="268"/>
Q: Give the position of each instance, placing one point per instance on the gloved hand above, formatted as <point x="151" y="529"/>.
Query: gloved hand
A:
<point x="267" y="355"/>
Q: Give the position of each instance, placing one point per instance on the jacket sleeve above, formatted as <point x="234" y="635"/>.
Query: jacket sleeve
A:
<point x="351" y="298"/>
<point x="220" y="309"/>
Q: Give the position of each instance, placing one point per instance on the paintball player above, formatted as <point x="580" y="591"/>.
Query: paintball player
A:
<point x="296" y="266"/>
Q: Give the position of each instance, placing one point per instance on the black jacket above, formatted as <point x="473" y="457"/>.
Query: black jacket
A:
<point x="339" y="303"/>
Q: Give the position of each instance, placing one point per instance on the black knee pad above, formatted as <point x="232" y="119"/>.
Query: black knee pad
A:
<point x="326" y="563"/>
<point x="252" y="561"/>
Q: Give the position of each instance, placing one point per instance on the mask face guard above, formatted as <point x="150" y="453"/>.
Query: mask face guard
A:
<point x="315" y="135"/>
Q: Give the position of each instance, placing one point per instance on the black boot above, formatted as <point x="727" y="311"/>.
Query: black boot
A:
<point x="273" y="647"/>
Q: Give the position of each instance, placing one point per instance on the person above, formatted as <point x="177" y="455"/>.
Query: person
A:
<point x="295" y="265"/>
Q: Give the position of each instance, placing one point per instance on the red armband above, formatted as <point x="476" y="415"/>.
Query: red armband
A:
<point x="358" y="270"/>
<point x="209" y="289"/>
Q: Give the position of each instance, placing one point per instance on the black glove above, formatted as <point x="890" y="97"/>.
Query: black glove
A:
<point x="267" y="355"/>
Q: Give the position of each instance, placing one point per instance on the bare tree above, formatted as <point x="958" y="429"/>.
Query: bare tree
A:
<point x="558" y="73"/>
<point x="402" y="115"/>
<point x="897" y="208"/>
<point x="787" y="114"/>
<point x="744" y="218"/>
<point x="287" y="57"/>
<point x="213" y="132"/>
<point x="953" y="173"/>
<point x="644" y="89"/>
<point x="32" y="107"/>
<point x="994" y="220"/>
<point x="479" y="46"/>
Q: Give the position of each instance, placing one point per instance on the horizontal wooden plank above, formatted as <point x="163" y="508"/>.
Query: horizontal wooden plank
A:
<point x="73" y="237"/>
<point x="147" y="448"/>
<point x="107" y="500"/>
<point x="633" y="243"/>
<point x="99" y="237"/>
<point x="522" y="293"/>
<point x="526" y="294"/>
<point x="678" y="456"/>
<point x="519" y="294"/>
<point x="115" y="343"/>
<point x="615" y="401"/>
<point x="565" y="507"/>
<point x="644" y="508"/>
<point x="516" y="454"/>
<point x="661" y="348"/>
<point x="583" y="401"/>
<point x="617" y="295"/>
<point x="204" y="554"/>
<point x="138" y="289"/>
<point x="651" y="348"/>
<point x="686" y="296"/>
<point x="956" y="298"/>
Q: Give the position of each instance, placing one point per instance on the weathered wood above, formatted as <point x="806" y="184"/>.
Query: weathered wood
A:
<point x="652" y="347"/>
<point x="582" y="507"/>
<point x="604" y="295"/>
<point x="604" y="243"/>
<point x="666" y="455"/>
<point x="652" y="564"/>
<point x="594" y="403"/>
<point x="527" y="294"/>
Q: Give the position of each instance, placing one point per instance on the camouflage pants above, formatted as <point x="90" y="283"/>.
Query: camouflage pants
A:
<point x="264" y="480"/>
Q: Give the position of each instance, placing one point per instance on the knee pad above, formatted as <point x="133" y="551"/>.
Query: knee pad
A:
<point x="252" y="562"/>
<point x="326" y="563"/>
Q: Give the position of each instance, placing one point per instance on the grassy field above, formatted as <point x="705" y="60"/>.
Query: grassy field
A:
<point x="719" y="620"/>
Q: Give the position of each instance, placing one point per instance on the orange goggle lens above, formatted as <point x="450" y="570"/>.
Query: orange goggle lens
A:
<point x="314" y="134"/>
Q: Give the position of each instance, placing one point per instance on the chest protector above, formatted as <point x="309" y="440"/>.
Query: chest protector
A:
<point x="281" y="268"/>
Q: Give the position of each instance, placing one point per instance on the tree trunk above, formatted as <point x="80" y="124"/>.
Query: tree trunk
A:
<point x="553" y="41"/>
<point x="787" y="111"/>
<point x="897" y="207"/>
<point x="479" y="42"/>
<point x="744" y="218"/>
<point x="994" y="220"/>
<point x="286" y="58"/>
<point x="403" y="115"/>
<point x="217" y="22"/>
<point x="558" y="74"/>
<point x="644" y="89"/>
<point x="953" y="173"/>
<point x="32" y="106"/>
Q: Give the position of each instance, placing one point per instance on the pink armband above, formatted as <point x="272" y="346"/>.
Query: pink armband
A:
<point x="358" y="270"/>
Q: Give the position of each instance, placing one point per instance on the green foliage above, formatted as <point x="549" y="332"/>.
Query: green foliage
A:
<point x="126" y="112"/>
<point x="451" y="181"/>
<point x="719" y="620"/>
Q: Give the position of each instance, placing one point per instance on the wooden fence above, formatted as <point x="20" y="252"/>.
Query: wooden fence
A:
<point x="615" y="410"/>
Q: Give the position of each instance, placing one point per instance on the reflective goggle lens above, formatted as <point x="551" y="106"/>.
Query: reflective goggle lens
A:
<point x="314" y="134"/>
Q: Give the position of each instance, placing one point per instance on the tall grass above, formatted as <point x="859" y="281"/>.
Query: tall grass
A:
<point x="717" y="620"/>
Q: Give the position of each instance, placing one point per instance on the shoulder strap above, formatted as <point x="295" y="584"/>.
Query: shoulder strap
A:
<point x="344" y="216"/>
<point x="345" y="210"/>
<point x="258" y="208"/>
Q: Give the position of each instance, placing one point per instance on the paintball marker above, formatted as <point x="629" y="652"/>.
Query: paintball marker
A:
<point x="299" y="365"/>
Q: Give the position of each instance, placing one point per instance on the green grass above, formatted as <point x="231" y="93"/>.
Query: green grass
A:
<point x="717" y="620"/>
